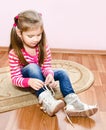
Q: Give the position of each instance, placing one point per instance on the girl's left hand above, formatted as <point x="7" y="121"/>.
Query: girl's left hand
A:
<point x="50" y="81"/>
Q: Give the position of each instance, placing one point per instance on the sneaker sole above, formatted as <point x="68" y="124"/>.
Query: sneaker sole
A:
<point x="86" y="113"/>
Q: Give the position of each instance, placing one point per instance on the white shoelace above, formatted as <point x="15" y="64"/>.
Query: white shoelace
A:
<point x="68" y="118"/>
<point x="51" y="89"/>
<point x="53" y="93"/>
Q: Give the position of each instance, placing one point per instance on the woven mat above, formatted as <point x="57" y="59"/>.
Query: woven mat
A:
<point x="12" y="97"/>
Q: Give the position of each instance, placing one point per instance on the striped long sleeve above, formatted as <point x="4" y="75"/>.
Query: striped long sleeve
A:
<point x="16" y="66"/>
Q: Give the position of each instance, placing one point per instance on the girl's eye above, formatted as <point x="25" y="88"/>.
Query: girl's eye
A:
<point x="39" y="35"/>
<point x="30" y="36"/>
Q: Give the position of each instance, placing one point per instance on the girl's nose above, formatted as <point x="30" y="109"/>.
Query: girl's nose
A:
<point x="35" y="39"/>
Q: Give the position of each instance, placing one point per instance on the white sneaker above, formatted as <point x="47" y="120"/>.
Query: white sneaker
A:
<point x="74" y="107"/>
<point x="49" y="104"/>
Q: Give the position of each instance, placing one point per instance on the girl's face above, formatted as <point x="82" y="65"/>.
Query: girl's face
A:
<point x="31" y="37"/>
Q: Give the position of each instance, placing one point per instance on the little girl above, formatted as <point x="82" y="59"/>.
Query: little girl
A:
<point x="30" y="66"/>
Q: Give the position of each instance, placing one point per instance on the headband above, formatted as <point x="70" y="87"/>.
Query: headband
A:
<point x="15" y="19"/>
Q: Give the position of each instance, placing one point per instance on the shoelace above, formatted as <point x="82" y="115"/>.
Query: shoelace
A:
<point x="68" y="118"/>
<point x="51" y="89"/>
<point x="53" y="93"/>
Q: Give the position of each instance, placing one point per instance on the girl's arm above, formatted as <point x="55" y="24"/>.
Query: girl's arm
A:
<point x="47" y="67"/>
<point x="47" y="70"/>
<point x="15" y="70"/>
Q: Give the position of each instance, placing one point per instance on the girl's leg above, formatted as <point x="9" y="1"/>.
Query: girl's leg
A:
<point x="74" y="107"/>
<point x="49" y="104"/>
<point x="64" y="81"/>
<point x="33" y="71"/>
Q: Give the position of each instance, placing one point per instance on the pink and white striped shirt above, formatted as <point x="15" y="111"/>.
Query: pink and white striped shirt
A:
<point x="16" y="66"/>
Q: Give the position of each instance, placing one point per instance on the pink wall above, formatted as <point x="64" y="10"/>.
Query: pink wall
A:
<point x="72" y="24"/>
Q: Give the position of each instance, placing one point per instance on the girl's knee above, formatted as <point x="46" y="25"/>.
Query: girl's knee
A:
<point x="61" y="72"/>
<point x="33" y="67"/>
<point x="32" y="70"/>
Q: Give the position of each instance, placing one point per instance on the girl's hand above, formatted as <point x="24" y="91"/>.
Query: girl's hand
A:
<point x="36" y="84"/>
<point x="50" y="81"/>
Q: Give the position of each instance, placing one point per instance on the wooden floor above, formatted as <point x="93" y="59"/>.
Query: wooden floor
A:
<point x="32" y="118"/>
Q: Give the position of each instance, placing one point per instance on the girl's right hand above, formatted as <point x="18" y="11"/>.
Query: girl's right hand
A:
<point x="36" y="84"/>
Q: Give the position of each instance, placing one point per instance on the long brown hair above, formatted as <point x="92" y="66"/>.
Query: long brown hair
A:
<point x="25" y="21"/>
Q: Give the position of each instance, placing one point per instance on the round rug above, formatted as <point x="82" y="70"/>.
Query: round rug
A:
<point x="12" y="97"/>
